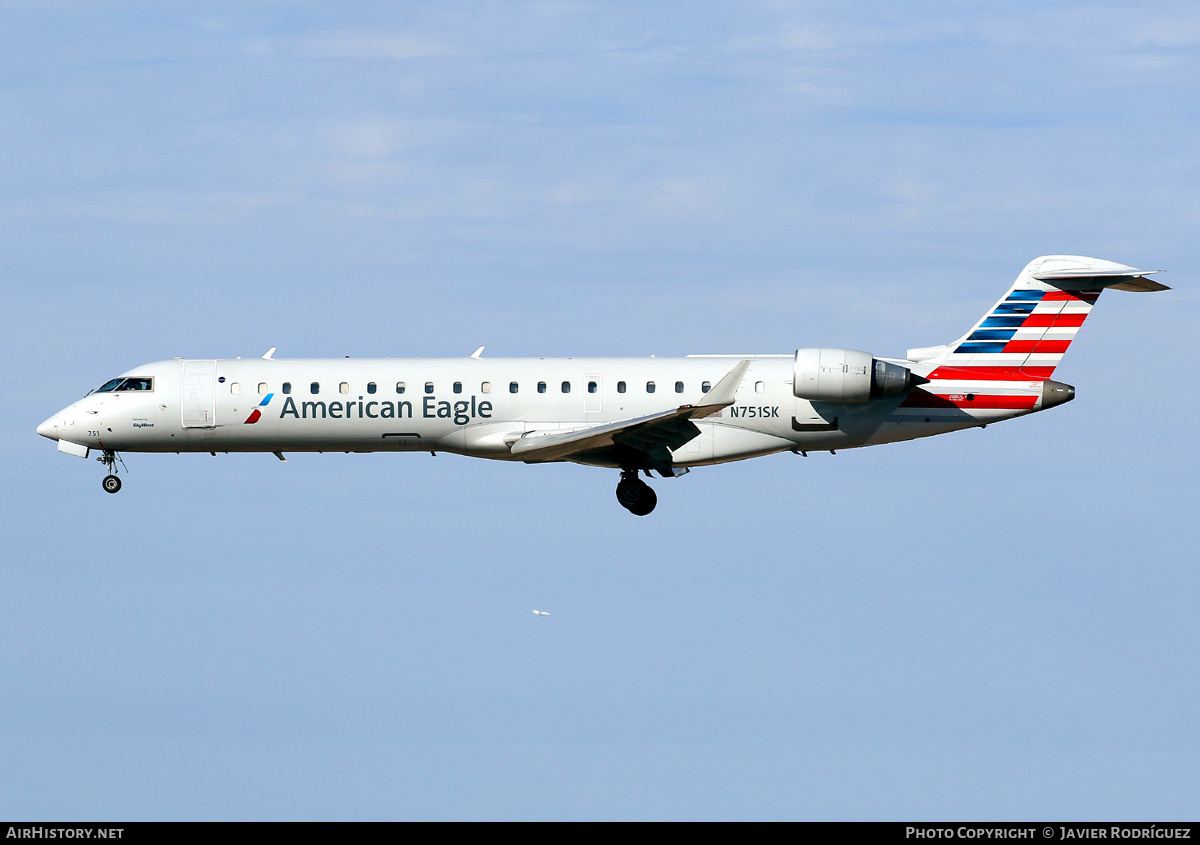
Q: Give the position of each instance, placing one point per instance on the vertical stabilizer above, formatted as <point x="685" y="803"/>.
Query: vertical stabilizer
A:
<point x="1026" y="333"/>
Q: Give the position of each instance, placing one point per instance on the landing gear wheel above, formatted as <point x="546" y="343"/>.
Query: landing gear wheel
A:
<point x="629" y="492"/>
<point x="646" y="503"/>
<point x="110" y="459"/>
<point x="635" y="495"/>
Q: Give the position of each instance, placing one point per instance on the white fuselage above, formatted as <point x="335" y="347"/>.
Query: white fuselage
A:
<point x="480" y="406"/>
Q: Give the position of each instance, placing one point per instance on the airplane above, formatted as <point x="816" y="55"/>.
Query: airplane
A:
<point x="637" y="415"/>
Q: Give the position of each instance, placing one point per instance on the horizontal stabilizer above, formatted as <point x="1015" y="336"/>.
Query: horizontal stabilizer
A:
<point x="1076" y="272"/>
<point x="1140" y="285"/>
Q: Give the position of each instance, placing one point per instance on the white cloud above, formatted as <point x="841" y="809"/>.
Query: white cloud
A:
<point x="580" y="193"/>
<point x="1169" y="34"/>
<point x="681" y="196"/>
<point x="808" y="38"/>
<point x="364" y="46"/>
<point x="561" y="8"/>
<point x="155" y="207"/>
<point x="365" y="140"/>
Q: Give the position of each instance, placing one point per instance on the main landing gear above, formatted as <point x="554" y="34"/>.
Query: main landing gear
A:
<point x="635" y="495"/>
<point x="109" y="458"/>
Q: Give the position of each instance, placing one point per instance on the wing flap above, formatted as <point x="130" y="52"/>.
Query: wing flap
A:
<point x="553" y="445"/>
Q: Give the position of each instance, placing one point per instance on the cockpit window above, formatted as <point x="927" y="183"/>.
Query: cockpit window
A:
<point x="133" y="383"/>
<point x="137" y="383"/>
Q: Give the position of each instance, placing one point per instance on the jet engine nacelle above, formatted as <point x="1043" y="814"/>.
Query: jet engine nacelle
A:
<point x="846" y="375"/>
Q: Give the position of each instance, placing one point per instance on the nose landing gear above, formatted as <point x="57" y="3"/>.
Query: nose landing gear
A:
<point x="109" y="458"/>
<point x="635" y="495"/>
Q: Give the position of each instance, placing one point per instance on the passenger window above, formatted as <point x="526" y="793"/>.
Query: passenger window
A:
<point x="400" y="387"/>
<point x="759" y="387"/>
<point x="620" y="387"/>
<point x="512" y="387"/>
<point x="287" y="388"/>
<point x="314" y="388"/>
<point x="541" y="387"/>
<point x="566" y="387"/>
<point x="592" y="387"/>
<point x="705" y="386"/>
<point x="235" y="388"/>
<point x="649" y="387"/>
<point x="458" y="387"/>
<point x="370" y="387"/>
<point x="262" y="388"/>
<point x="429" y="387"/>
<point x="486" y="387"/>
<point x="344" y="387"/>
<point x="679" y="387"/>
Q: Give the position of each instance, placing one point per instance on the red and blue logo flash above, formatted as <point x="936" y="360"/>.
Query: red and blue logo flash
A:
<point x="256" y="414"/>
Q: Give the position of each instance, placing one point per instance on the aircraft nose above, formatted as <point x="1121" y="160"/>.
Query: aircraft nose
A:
<point x="49" y="428"/>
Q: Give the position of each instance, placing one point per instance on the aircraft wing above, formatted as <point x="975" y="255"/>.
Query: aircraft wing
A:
<point x="656" y="435"/>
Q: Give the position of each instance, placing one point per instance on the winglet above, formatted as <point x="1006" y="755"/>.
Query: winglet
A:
<point x="724" y="392"/>
<point x="726" y="389"/>
<point x="477" y="353"/>
<point x="270" y="352"/>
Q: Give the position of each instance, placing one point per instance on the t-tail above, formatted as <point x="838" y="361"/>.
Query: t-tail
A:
<point x="1024" y="336"/>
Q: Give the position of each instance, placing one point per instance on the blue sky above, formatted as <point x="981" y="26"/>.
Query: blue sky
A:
<point x="993" y="624"/>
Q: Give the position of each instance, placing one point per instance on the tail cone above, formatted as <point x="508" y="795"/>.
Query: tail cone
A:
<point x="1056" y="393"/>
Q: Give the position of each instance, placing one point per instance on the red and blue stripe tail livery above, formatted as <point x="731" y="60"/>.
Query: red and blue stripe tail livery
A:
<point x="1006" y="360"/>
